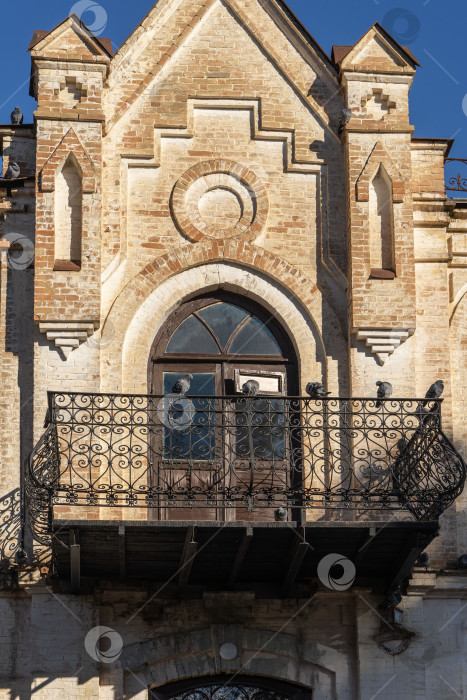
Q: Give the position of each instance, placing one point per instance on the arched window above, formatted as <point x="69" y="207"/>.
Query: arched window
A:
<point x="228" y="688"/>
<point x="222" y="340"/>
<point x="224" y="328"/>
<point x="68" y="215"/>
<point x="381" y="222"/>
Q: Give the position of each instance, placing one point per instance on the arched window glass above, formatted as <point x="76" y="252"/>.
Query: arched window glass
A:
<point x="254" y="338"/>
<point x="224" y="319"/>
<point x="191" y="336"/>
<point x="223" y="328"/>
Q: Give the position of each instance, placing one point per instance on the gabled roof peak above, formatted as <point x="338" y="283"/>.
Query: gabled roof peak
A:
<point x="339" y="53"/>
<point x="104" y="44"/>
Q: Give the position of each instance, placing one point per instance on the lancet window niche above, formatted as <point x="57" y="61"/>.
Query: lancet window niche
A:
<point x="381" y="219"/>
<point x="68" y="215"/>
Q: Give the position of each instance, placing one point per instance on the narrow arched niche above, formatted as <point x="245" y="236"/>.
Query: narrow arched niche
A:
<point x="68" y="215"/>
<point x="381" y="222"/>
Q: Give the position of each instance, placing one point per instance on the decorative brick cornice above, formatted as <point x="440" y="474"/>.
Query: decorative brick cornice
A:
<point x="384" y="342"/>
<point x="379" y="156"/>
<point x="70" y="143"/>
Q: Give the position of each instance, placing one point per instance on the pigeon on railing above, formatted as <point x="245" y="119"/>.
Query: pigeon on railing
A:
<point x="384" y="392"/>
<point x="316" y="390"/>
<point x="182" y="385"/>
<point x="16" y="116"/>
<point x="401" y="444"/>
<point x="344" y="119"/>
<point x="435" y="391"/>
<point x="13" y="171"/>
<point x="280" y="514"/>
<point x="250" y="388"/>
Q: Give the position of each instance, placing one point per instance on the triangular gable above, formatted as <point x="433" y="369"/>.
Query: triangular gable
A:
<point x="68" y="38"/>
<point x="377" y="157"/>
<point x="281" y="5"/>
<point x="378" y="51"/>
<point x="70" y="143"/>
<point x="162" y="47"/>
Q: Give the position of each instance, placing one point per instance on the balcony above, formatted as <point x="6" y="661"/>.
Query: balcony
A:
<point x="139" y="485"/>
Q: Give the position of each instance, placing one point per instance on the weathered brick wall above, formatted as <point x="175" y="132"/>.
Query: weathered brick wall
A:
<point x="310" y="641"/>
<point x="208" y="98"/>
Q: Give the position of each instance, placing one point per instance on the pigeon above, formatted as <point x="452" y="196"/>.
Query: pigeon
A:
<point x="250" y="388"/>
<point x="435" y="390"/>
<point x="392" y="600"/>
<point x="423" y="559"/>
<point x="316" y="390"/>
<point x="462" y="562"/>
<point x="280" y="514"/>
<point x="344" y="118"/>
<point x="182" y="385"/>
<point x="21" y="556"/>
<point x="17" y="116"/>
<point x="384" y="392"/>
<point x="12" y="172"/>
<point x="402" y="444"/>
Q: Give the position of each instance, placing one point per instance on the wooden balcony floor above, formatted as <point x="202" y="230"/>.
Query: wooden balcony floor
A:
<point x="272" y="559"/>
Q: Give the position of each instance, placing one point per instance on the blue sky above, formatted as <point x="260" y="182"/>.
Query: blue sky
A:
<point x="433" y="29"/>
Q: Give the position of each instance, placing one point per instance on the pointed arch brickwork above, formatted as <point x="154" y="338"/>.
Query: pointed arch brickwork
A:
<point x="70" y="143"/>
<point x="379" y="156"/>
<point x="234" y="250"/>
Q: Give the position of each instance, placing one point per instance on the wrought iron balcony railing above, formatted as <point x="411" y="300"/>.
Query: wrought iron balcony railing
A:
<point x="154" y="452"/>
<point x="456" y="182"/>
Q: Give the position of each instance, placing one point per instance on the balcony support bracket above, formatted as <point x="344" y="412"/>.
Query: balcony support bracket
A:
<point x="300" y="548"/>
<point x="121" y="551"/>
<point x="242" y="551"/>
<point x="187" y="558"/>
<point x="75" y="561"/>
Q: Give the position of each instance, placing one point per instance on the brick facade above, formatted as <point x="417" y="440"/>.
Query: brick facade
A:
<point x="210" y="158"/>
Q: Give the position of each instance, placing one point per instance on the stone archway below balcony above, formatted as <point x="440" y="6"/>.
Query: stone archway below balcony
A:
<point x="154" y="663"/>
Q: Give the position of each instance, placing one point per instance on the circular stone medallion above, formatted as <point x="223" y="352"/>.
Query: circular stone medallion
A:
<point x="220" y="208"/>
<point x="220" y="199"/>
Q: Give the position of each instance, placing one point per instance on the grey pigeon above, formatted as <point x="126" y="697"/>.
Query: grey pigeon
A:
<point x="401" y="444"/>
<point x="12" y="172"/>
<point x="435" y="390"/>
<point x="250" y="388"/>
<point x="344" y="119"/>
<point x="280" y="514"/>
<point x="423" y="559"/>
<point x="182" y="385"/>
<point x="17" y="116"/>
<point x="384" y="391"/>
<point x="316" y="390"/>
